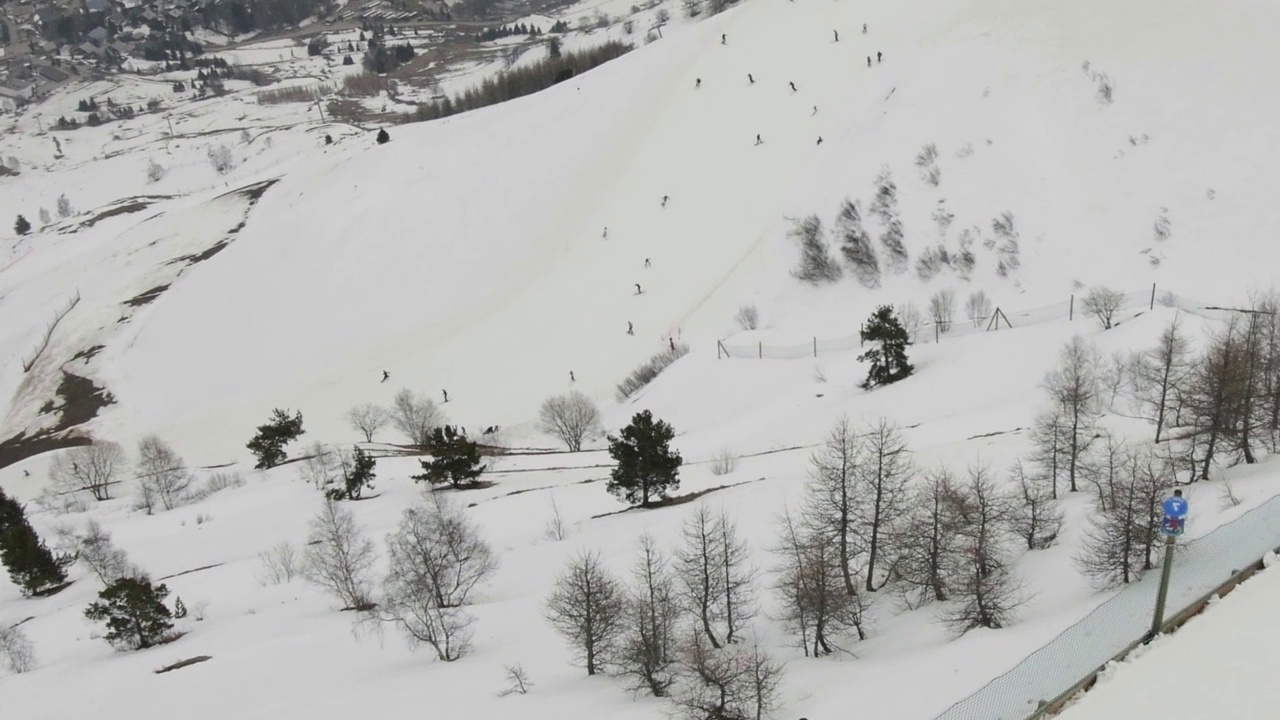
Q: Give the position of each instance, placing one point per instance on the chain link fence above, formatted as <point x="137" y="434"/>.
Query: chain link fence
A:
<point x="1131" y="304"/>
<point x="1200" y="567"/>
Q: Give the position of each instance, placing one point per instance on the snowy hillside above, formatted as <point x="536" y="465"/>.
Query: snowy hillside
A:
<point x="493" y="254"/>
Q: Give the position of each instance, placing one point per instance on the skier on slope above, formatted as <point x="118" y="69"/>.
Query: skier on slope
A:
<point x="638" y="290"/>
<point x="793" y="86"/>
<point x="631" y="330"/>
<point x="385" y="375"/>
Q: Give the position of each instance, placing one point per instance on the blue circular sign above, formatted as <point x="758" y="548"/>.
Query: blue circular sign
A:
<point x="1175" y="507"/>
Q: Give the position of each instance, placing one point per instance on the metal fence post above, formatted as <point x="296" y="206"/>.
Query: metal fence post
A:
<point x="1071" y="313"/>
<point x="1153" y="296"/>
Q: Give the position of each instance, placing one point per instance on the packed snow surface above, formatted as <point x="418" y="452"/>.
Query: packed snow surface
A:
<point x="471" y="255"/>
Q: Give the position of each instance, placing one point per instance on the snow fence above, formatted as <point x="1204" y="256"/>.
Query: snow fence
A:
<point x="1200" y="567"/>
<point x="1132" y="304"/>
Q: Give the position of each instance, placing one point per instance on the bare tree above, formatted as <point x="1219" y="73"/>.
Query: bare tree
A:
<point x="571" y="417"/>
<point x="92" y="468"/>
<point x="16" y="651"/>
<point x="831" y="502"/>
<point x="740" y="683"/>
<point x="368" y="419"/>
<point x="648" y="648"/>
<point x="978" y="307"/>
<point x="748" y="317"/>
<point x="1050" y="444"/>
<point x="555" y="529"/>
<point x="815" y="603"/>
<point x="1104" y="465"/>
<point x="1073" y="386"/>
<point x="162" y="474"/>
<point x="1212" y="397"/>
<point x="155" y="171"/>
<point x="1121" y="541"/>
<point x="716" y="583"/>
<point x="339" y="558"/>
<point x="1102" y="303"/>
<point x="518" y="682"/>
<point x="942" y="309"/>
<point x="436" y="560"/>
<point x="415" y="417"/>
<point x="221" y="159"/>
<point x="278" y="564"/>
<point x="588" y="608"/>
<point x="929" y="543"/>
<point x="1037" y="518"/>
<point x="1161" y="374"/>
<point x="108" y="562"/>
<point x="321" y="466"/>
<point x="884" y="478"/>
<point x="986" y="589"/>
<point x="909" y="315"/>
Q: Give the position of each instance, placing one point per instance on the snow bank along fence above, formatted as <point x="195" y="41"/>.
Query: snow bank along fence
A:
<point x="1133" y="303"/>
<point x="29" y="361"/>
<point x="1047" y="679"/>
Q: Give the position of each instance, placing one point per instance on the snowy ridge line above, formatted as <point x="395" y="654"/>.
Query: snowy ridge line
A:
<point x="1038" y="685"/>
<point x="28" y="363"/>
<point x="1135" y="303"/>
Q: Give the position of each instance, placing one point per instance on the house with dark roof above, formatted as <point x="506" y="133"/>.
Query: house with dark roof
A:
<point x="98" y="36"/>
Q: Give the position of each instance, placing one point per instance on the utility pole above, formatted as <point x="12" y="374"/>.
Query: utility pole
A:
<point x="169" y="119"/>
<point x="321" y="109"/>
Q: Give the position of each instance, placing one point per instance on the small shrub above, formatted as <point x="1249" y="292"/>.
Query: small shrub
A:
<point x="16" y="651"/>
<point x="643" y="375"/>
<point x="155" y="171"/>
<point x="724" y="463"/>
<point x="748" y="317"/>
<point x="221" y="159"/>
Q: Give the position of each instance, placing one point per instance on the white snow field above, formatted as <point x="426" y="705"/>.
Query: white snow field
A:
<point x="470" y="255"/>
<point x="1221" y="663"/>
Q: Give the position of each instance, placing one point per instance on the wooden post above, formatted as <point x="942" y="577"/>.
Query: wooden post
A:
<point x="717" y="349"/>
<point x="815" y="346"/>
<point x="760" y="344"/>
<point x="1071" y="314"/>
<point x="935" y="332"/>
<point x="1153" y="296"/>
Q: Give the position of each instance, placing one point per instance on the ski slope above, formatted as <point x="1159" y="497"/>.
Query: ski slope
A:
<point x="470" y="255"/>
<point x="1222" y="661"/>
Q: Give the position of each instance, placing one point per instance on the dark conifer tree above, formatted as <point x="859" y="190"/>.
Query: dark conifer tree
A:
<point x="888" y="351"/>
<point x="454" y="459"/>
<point x="268" y="444"/>
<point x="134" y="612"/>
<point x="647" y="466"/>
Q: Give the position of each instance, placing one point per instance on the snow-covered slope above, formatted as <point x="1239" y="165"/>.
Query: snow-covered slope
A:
<point x="470" y="255"/>
<point x="1222" y="661"/>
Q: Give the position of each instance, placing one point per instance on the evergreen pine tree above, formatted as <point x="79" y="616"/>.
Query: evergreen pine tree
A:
<point x="888" y="351"/>
<point x="647" y="466"/>
<point x="357" y="476"/>
<point x="268" y="444"/>
<point x="22" y="226"/>
<point x="454" y="459"/>
<point x="179" y="609"/>
<point x="31" y="566"/>
<point x="383" y="137"/>
<point x="134" y="612"/>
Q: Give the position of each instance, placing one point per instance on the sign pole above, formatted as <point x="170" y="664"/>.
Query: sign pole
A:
<point x="1174" y="522"/>
<point x="1157" y="622"/>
